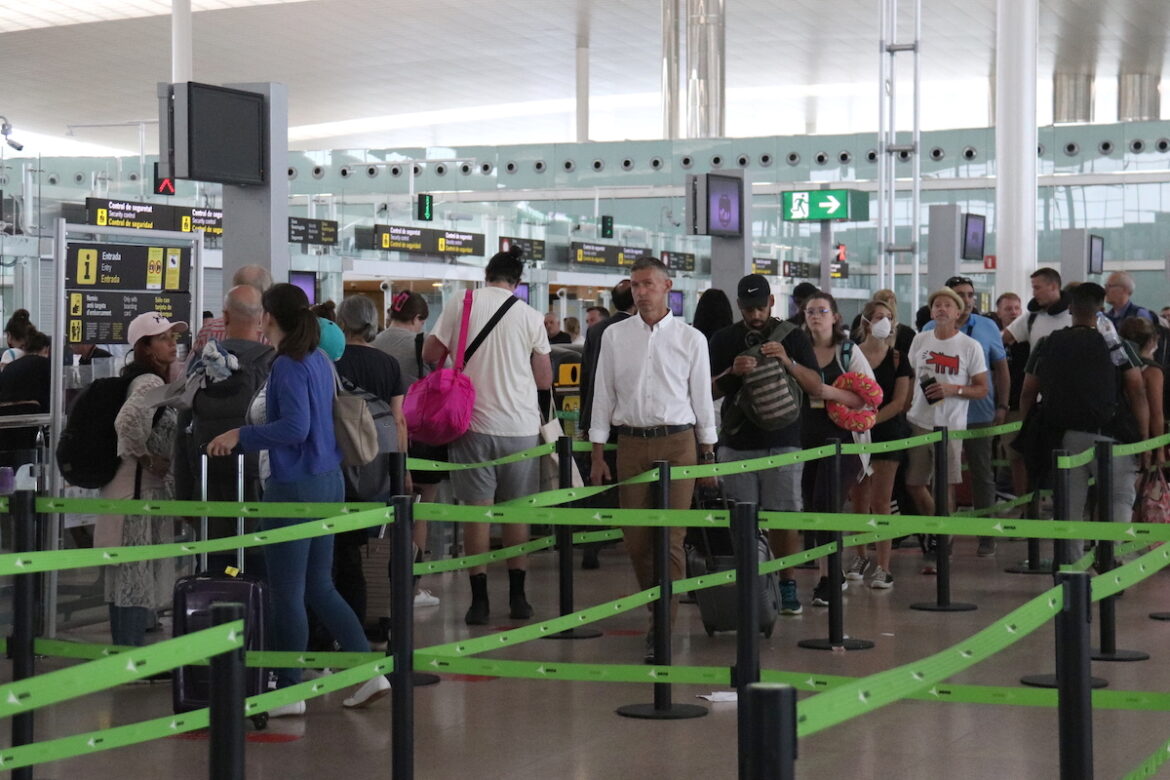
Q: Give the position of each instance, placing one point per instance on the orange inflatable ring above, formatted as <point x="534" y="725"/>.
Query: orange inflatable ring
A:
<point x="856" y="420"/>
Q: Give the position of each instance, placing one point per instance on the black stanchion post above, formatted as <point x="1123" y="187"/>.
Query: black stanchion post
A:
<point x="401" y="646"/>
<point x="1107" y="607"/>
<point x="940" y="487"/>
<point x="1062" y="511"/>
<point x="226" y="707"/>
<point x="1074" y="691"/>
<point x="771" y="753"/>
<point x="662" y="708"/>
<point x="398" y="488"/>
<point x="745" y="527"/>
<point x="564" y="535"/>
<point x="22" y="506"/>
<point x="837" y="638"/>
<point x="1033" y="565"/>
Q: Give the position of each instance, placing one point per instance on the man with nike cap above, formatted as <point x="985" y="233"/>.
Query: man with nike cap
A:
<point x="776" y="489"/>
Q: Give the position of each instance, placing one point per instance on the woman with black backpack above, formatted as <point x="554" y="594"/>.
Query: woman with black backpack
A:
<point x="146" y="436"/>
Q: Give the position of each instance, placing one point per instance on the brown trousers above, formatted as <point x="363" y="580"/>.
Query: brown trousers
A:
<point x="634" y="456"/>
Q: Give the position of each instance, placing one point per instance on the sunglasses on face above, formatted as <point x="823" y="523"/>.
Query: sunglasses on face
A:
<point x="955" y="281"/>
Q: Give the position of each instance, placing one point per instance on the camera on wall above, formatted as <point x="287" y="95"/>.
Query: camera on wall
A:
<point x="384" y="286"/>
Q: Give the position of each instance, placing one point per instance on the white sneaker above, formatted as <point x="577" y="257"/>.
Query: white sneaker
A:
<point x="370" y="691"/>
<point x="287" y="710"/>
<point x="424" y="598"/>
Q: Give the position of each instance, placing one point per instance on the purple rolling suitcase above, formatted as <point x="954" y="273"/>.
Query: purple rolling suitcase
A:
<point x="193" y="598"/>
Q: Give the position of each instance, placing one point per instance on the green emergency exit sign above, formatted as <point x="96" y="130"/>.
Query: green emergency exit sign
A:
<point x="816" y="205"/>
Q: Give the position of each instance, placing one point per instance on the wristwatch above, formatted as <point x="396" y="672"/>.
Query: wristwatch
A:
<point x="960" y="389"/>
<point x="707" y="457"/>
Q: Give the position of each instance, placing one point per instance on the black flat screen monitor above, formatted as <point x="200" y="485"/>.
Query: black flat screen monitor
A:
<point x="522" y="291"/>
<point x="974" y="236"/>
<point x="676" y="303"/>
<point x="724" y="206"/>
<point x="307" y="281"/>
<point x="1096" y="254"/>
<point x="226" y="134"/>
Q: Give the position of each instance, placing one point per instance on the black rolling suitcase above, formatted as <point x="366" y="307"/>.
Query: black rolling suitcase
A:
<point x="711" y="551"/>
<point x="193" y="597"/>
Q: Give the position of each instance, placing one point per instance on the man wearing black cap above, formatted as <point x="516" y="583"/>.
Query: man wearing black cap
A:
<point x="737" y="351"/>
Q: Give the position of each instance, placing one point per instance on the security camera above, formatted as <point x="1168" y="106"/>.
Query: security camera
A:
<point x="15" y="145"/>
<point x="384" y="286"/>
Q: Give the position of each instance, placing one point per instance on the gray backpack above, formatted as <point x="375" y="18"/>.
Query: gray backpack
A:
<point x="770" y="397"/>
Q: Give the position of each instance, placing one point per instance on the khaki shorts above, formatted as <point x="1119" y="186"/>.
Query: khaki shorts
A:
<point x="920" y="468"/>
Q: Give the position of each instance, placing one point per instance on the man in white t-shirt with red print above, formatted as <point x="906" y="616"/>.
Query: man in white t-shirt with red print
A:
<point x="951" y="372"/>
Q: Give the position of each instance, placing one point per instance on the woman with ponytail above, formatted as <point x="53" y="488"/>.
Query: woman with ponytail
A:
<point x="306" y="467"/>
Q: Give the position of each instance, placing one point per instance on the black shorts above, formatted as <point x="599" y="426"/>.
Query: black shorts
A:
<point x="428" y="452"/>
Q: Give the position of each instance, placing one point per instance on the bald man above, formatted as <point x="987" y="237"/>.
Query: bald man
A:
<point x="256" y="276"/>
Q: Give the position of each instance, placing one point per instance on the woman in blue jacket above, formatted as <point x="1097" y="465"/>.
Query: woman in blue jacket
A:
<point x="306" y="467"/>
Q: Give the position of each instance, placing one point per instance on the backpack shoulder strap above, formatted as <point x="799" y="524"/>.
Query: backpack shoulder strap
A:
<point x="846" y="354"/>
<point x="1031" y="318"/>
<point x="483" y="334"/>
<point x="418" y="348"/>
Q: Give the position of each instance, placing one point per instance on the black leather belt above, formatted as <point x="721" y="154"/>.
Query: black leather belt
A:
<point x="653" y="432"/>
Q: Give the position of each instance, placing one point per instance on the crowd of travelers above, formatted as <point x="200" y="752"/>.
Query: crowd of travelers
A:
<point x="1077" y="364"/>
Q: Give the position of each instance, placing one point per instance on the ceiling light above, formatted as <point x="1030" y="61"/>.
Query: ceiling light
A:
<point x="22" y="15"/>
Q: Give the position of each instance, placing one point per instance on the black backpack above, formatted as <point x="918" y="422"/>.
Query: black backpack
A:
<point x="221" y="406"/>
<point x="1078" y="381"/>
<point x="87" y="454"/>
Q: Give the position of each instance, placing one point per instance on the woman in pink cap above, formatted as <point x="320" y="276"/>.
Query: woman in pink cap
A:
<point x="145" y="437"/>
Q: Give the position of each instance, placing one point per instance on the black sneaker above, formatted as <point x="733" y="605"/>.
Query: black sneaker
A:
<point x="477" y="614"/>
<point x="821" y="593"/>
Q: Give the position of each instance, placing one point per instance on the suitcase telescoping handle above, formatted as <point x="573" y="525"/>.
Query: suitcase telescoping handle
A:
<point x="203" y="460"/>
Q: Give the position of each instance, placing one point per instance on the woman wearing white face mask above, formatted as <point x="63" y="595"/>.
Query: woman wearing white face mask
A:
<point x="893" y="372"/>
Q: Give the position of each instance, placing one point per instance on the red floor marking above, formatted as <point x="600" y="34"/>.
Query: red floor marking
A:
<point x="252" y="736"/>
<point x="469" y="678"/>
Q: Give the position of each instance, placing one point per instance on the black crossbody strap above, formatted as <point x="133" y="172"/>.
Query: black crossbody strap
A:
<point x="483" y="334"/>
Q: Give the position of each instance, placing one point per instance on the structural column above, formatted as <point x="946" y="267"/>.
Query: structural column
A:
<point x="182" y="68"/>
<point x="706" y="53"/>
<point x="1017" y="23"/>
<point x="670" y="43"/>
<point x="1138" y="97"/>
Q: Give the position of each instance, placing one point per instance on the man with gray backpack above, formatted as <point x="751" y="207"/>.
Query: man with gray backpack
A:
<point x="761" y="367"/>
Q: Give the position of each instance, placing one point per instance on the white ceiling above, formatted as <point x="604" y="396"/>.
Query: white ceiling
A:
<point x="419" y="74"/>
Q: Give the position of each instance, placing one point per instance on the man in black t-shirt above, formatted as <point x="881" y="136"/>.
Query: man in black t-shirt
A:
<point x="777" y="489"/>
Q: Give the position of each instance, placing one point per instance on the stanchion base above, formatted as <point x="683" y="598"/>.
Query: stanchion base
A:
<point x="1024" y="569"/>
<point x="574" y="633"/>
<point x="825" y="644"/>
<point x="421" y="679"/>
<point x="673" y="712"/>
<point x="934" y="606"/>
<point x="1119" y="655"/>
<point x="1160" y="616"/>
<point x="1049" y="681"/>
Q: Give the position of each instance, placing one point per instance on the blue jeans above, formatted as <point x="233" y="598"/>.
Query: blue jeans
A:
<point x="300" y="574"/>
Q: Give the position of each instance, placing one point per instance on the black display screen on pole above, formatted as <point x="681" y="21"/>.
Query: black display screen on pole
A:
<point x="226" y="134"/>
<point x="974" y="236"/>
<point x="724" y="206"/>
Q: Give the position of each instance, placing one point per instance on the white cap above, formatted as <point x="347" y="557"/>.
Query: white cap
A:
<point x="151" y="323"/>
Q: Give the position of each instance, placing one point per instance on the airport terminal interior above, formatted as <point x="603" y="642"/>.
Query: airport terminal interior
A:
<point x="150" y="150"/>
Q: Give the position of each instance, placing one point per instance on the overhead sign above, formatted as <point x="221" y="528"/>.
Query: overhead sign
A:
<point x="679" y="261"/>
<point x="793" y="269"/>
<point x="425" y="241"/>
<point x="127" y="267"/>
<point x="127" y="214"/>
<point x="839" y="270"/>
<point x="103" y="317"/>
<point x="189" y="219"/>
<point x="312" y="231"/>
<point x="533" y="247"/>
<point x="584" y="253"/>
<point x="764" y="265"/>
<point x="819" y="205"/>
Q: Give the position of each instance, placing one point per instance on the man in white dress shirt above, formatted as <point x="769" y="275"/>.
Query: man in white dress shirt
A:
<point x="653" y="386"/>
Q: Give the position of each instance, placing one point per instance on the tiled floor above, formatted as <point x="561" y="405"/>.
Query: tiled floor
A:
<point x="530" y="730"/>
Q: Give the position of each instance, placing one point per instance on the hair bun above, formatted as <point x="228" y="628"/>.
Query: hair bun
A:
<point x="516" y="251"/>
<point x="21" y="314"/>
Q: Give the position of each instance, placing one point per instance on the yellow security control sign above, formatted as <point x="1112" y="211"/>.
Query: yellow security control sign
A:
<point x="154" y="268"/>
